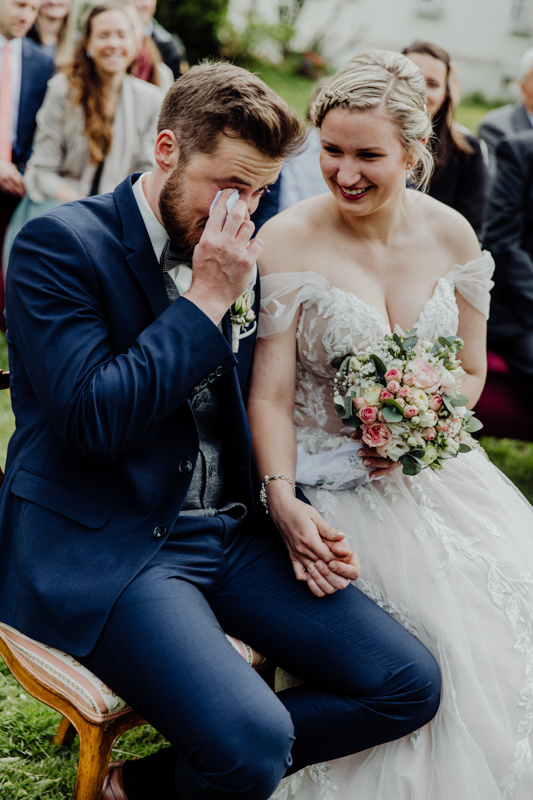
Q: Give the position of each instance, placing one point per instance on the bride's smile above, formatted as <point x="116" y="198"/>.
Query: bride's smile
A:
<point x="363" y="160"/>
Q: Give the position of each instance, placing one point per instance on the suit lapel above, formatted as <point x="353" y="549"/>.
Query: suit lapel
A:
<point x="141" y="260"/>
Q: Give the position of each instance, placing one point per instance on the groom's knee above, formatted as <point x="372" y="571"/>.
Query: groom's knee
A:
<point x="421" y="687"/>
<point x="249" y="755"/>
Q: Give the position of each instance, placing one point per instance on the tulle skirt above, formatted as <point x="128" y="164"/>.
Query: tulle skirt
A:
<point x="450" y="555"/>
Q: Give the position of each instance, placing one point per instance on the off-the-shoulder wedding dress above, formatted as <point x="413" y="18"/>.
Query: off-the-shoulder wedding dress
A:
<point x="449" y="554"/>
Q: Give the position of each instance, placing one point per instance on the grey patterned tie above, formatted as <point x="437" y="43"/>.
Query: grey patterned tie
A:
<point x="170" y="259"/>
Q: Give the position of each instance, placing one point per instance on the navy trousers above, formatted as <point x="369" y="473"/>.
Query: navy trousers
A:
<point x="163" y="649"/>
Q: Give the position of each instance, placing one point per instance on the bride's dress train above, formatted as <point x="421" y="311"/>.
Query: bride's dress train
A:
<point x="449" y="554"/>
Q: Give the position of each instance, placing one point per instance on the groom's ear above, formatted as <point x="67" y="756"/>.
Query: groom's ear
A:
<point x="167" y="150"/>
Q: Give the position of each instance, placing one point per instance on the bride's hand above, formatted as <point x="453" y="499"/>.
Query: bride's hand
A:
<point x="319" y="553"/>
<point x="377" y="465"/>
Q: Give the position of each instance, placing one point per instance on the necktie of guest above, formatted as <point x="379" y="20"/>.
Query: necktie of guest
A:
<point x="5" y="105"/>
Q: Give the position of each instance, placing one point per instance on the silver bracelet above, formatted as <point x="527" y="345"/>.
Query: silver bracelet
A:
<point x="263" y="494"/>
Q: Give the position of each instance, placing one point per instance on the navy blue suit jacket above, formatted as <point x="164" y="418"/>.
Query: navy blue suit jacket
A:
<point x="37" y="69"/>
<point x="103" y="369"/>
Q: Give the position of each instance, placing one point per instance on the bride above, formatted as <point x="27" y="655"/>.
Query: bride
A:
<point x="449" y="554"/>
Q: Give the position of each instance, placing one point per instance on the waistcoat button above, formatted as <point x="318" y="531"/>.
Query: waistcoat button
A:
<point x="185" y="467"/>
<point x="159" y="531"/>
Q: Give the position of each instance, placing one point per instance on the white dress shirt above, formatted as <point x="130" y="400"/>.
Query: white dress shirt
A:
<point x="15" y="46"/>
<point x="182" y="274"/>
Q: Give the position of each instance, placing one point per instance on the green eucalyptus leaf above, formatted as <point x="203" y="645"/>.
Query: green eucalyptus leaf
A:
<point x="459" y="400"/>
<point x="464" y="448"/>
<point x="392" y="414"/>
<point x="447" y="400"/>
<point x="473" y="424"/>
<point x="391" y="403"/>
<point x="410" y="465"/>
<point x="444" y="342"/>
<point x="380" y="367"/>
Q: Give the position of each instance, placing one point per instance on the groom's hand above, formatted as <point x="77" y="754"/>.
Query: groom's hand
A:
<point x="223" y="259"/>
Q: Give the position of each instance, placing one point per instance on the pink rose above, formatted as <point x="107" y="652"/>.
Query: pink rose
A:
<point x="393" y="387"/>
<point x="441" y="426"/>
<point x="404" y="391"/>
<point x="368" y="414"/>
<point x="359" y="402"/>
<point x="400" y="401"/>
<point x="429" y="434"/>
<point x="436" y="402"/>
<point x="381" y="417"/>
<point x="425" y="375"/>
<point x="393" y="374"/>
<point x="385" y="395"/>
<point x="410" y="411"/>
<point x="376" y="435"/>
<point x="409" y="379"/>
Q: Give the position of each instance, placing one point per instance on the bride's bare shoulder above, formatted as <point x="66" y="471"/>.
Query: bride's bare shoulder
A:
<point x="289" y="236"/>
<point x="447" y="227"/>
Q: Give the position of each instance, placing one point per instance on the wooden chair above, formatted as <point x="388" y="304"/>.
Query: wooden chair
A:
<point x="88" y="706"/>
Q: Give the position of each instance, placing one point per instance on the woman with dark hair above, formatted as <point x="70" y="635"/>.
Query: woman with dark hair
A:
<point x="459" y="178"/>
<point x="97" y="124"/>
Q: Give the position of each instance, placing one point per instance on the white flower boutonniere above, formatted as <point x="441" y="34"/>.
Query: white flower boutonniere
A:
<point x="241" y="315"/>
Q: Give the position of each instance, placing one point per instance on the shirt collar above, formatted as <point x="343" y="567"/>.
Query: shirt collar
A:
<point x="15" y="45"/>
<point x="529" y="115"/>
<point x="157" y="234"/>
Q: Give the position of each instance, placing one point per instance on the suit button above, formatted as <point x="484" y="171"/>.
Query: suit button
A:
<point x="219" y="371"/>
<point x="185" y="467"/>
<point x="159" y="531"/>
<point x="203" y="383"/>
<point x="211" y="378"/>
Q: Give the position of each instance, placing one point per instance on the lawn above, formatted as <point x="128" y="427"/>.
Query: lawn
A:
<point x="31" y="767"/>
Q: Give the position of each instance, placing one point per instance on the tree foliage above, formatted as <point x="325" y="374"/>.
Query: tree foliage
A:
<point x="197" y="24"/>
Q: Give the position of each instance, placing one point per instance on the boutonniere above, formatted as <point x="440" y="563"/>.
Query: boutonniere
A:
<point x="241" y="315"/>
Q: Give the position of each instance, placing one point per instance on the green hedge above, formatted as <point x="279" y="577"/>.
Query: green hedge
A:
<point x="196" y="23"/>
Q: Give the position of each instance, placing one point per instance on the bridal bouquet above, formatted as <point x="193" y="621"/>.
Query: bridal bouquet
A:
<point x="404" y="393"/>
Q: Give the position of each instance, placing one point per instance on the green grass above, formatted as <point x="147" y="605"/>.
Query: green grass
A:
<point x="31" y="767"/>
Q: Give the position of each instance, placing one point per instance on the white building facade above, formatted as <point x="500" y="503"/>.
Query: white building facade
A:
<point x="485" y="38"/>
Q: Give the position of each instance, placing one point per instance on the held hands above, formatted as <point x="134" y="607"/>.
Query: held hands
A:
<point x="223" y="258"/>
<point x="318" y="552"/>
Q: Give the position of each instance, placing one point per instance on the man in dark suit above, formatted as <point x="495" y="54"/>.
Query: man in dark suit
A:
<point x="509" y="236"/>
<point x="29" y="70"/>
<point x="128" y="523"/>
<point x="512" y="118"/>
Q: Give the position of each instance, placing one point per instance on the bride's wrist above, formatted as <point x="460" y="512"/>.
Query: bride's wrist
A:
<point x="276" y="489"/>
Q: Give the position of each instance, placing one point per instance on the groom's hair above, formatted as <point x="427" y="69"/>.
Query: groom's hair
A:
<point x="218" y="97"/>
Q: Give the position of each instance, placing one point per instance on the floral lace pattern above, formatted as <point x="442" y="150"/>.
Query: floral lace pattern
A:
<point x="440" y="550"/>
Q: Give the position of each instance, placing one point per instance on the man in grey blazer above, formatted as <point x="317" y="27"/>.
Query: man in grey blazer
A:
<point x="511" y="118"/>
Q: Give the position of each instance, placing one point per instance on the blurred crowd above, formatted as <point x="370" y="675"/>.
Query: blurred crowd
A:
<point x="79" y="100"/>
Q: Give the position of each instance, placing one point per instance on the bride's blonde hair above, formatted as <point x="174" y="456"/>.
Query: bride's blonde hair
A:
<point x="382" y="78"/>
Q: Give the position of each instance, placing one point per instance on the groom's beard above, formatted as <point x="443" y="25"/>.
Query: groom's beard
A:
<point x="176" y="216"/>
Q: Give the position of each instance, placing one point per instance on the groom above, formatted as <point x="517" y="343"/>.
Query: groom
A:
<point x="128" y="519"/>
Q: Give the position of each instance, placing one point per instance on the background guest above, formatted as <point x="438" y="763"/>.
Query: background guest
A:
<point x="513" y="117"/>
<point x="509" y="236"/>
<point x="147" y="64"/>
<point x="459" y="177"/>
<point x="169" y="44"/>
<point x="24" y="73"/>
<point x="54" y="30"/>
<point x="97" y="123"/>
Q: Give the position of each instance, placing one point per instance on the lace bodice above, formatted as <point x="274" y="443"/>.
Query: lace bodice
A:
<point x="333" y="321"/>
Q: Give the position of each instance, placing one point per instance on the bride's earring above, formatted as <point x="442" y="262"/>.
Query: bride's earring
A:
<point x="409" y="171"/>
